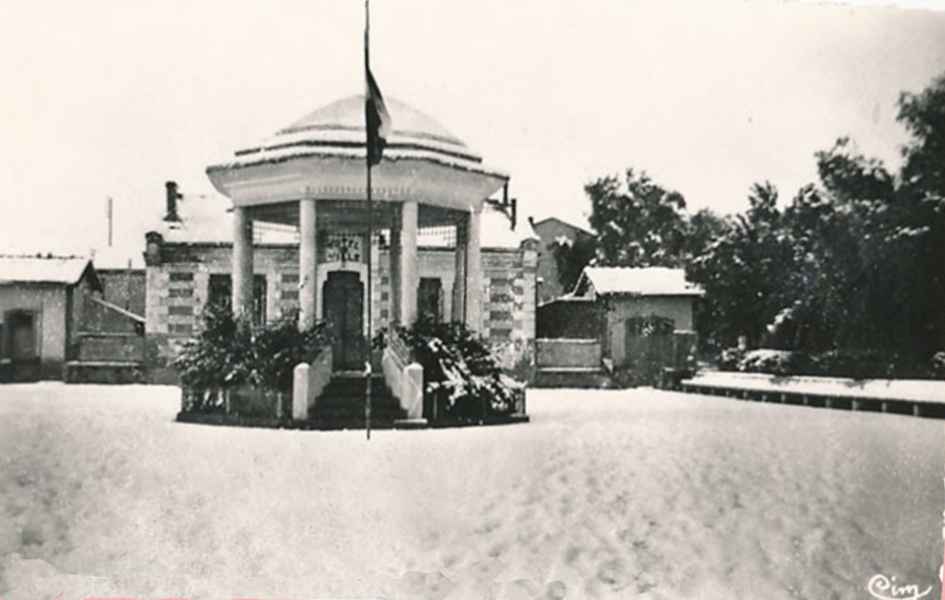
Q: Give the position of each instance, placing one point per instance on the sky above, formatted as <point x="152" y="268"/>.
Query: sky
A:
<point x="112" y="98"/>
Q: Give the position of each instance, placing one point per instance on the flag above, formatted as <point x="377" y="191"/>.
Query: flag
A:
<point x="377" y="119"/>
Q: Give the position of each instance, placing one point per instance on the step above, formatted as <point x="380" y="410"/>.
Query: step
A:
<point x="571" y="377"/>
<point x="341" y="386"/>
<point x="103" y="371"/>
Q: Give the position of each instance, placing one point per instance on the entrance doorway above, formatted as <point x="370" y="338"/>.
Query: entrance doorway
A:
<point x="21" y="330"/>
<point x="430" y="300"/>
<point x="342" y="309"/>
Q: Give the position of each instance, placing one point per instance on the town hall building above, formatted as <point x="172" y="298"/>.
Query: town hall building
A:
<point x="293" y="237"/>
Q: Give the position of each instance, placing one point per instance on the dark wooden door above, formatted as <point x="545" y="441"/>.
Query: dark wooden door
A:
<point x="343" y="310"/>
<point x="24" y="345"/>
<point x="429" y="300"/>
<point x="649" y="346"/>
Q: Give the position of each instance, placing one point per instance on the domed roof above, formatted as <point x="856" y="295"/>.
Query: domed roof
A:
<point x="340" y="126"/>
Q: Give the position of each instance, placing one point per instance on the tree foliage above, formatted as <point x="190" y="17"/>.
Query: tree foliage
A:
<point x="856" y="261"/>
<point x="230" y="352"/>
<point x="638" y="222"/>
<point x="571" y="256"/>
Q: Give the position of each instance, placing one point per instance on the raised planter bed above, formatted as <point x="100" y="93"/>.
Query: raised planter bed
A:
<point x="902" y="396"/>
<point x="204" y="418"/>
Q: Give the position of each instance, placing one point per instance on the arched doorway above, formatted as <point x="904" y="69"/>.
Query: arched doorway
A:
<point x="342" y="309"/>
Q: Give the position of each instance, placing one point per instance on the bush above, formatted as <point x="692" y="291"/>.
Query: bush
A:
<point x="730" y="358"/>
<point x="776" y="362"/>
<point x="937" y="366"/>
<point x="847" y="363"/>
<point x="230" y="352"/>
<point x="460" y="370"/>
<point x="861" y="364"/>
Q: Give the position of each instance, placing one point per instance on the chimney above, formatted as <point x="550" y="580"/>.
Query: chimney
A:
<point x="172" y="197"/>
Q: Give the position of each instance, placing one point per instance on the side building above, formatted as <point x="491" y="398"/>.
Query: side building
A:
<point x="43" y="308"/>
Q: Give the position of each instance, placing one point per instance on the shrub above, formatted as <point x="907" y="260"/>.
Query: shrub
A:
<point x="460" y="370"/>
<point x="730" y="358"/>
<point x="775" y="362"/>
<point x="937" y="366"/>
<point x="231" y="351"/>
<point x="859" y="364"/>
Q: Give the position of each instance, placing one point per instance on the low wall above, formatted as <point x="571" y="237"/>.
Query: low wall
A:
<point x="565" y="352"/>
<point x="909" y="390"/>
<point x="569" y="318"/>
<point x="405" y="382"/>
<point x="111" y="347"/>
<point x="309" y="380"/>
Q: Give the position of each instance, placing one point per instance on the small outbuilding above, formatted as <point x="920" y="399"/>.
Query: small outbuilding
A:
<point x="42" y="300"/>
<point x="639" y="318"/>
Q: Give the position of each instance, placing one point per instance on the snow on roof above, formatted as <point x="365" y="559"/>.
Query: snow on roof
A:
<point x="337" y="130"/>
<point x="585" y="230"/>
<point x="66" y="270"/>
<point x="647" y="281"/>
<point x="116" y="258"/>
<point x="206" y="220"/>
<point x="495" y="231"/>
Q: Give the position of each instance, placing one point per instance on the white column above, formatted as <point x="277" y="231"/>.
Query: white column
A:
<point x="308" y="276"/>
<point x="242" y="277"/>
<point x="409" y="278"/>
<point x="459" y="272"/>
<point x="473" y="273"/>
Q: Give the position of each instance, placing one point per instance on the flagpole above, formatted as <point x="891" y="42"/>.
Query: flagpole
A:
<point x="370" y="209"/>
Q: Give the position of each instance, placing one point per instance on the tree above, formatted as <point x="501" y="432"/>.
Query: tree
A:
<point x="855" y="262"/>
<point x="639" y="223"/>
<point x="839" y="285"/>
<point x="702" y="230"/>
<point x="742" y="271"/>
<point x="920" y="215"/>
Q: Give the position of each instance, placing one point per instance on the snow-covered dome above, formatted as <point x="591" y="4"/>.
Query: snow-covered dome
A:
<point x="322" y="154"/>
<point x="338" y="128"/>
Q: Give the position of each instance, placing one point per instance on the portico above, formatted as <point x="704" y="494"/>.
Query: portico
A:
<point x="311" y="175"/>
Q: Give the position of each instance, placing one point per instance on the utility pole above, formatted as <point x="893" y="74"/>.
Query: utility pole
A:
<point x="109" y="210"/>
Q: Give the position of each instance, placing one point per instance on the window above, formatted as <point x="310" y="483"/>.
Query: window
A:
<point x="220" y="293"/>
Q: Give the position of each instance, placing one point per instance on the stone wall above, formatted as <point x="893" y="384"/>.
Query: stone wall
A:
<point x="178" y="286"/>
<point x="124" y="288"/>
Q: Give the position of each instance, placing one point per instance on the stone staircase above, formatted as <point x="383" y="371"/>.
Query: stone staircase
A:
<point x="341" y="404"/>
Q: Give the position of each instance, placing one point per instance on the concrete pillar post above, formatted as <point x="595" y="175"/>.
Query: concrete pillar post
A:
<point x="473" y="273"/>
<point x="409" y="273"/>
<point x="459" y="275"/>
<point x="394" y="261"/>
<point x="308" y="276"/>
<point x="242" y="277"/>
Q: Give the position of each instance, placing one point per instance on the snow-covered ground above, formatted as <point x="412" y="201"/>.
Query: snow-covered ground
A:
<point x="615" y="494"/>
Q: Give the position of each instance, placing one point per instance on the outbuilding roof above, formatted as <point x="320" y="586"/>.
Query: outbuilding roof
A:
<point x="65" y="270"/>
<point x="644" y="281"/>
